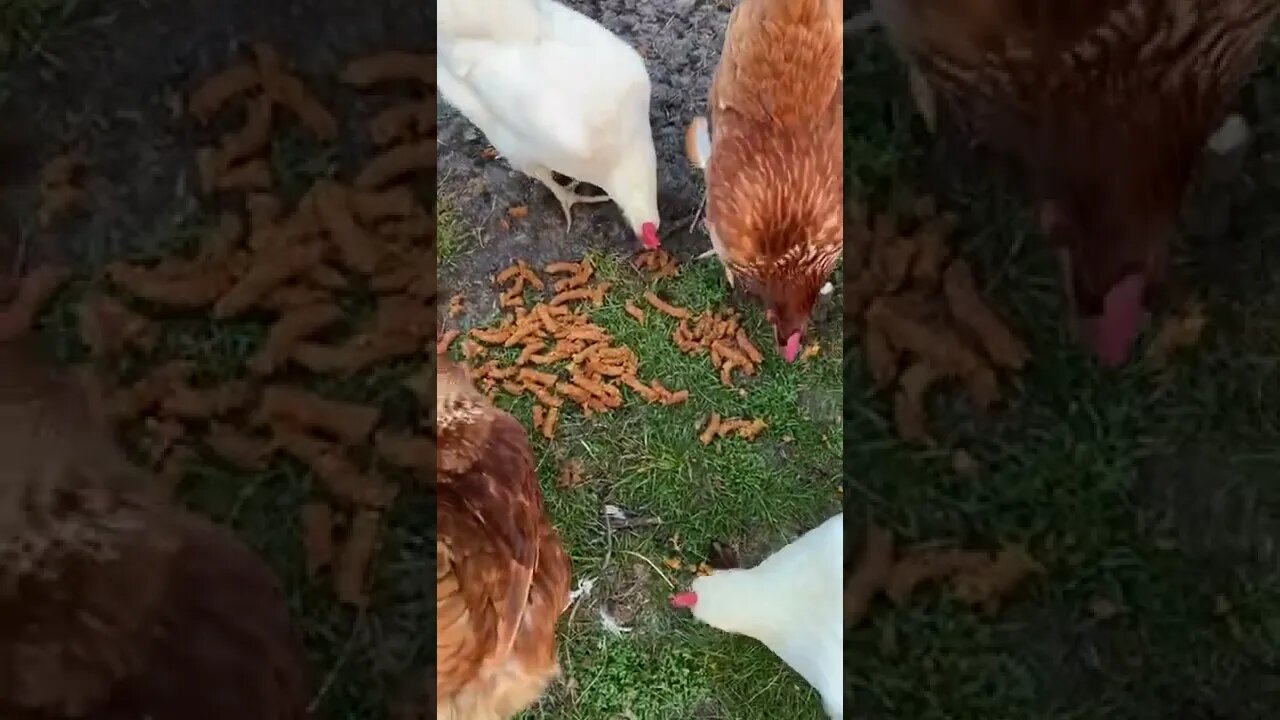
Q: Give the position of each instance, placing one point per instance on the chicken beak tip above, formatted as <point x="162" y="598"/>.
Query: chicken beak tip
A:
<point x="792" y="348"/>
<point x="684" y="600"/>
<point x="649" y="236"/>
<point x="1113" y="334"/>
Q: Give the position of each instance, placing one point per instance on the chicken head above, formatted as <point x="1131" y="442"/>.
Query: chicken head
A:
<point x="1112" y="261"/>
<point x="792" y="602"/>
<point x="788" y="307"/>
<point x="1107" y="105"/>
<point x="633" y="184"/>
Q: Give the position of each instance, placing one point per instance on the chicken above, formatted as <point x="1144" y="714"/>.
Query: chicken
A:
<point x="791" y="602"/>
<point x="502" y="574"/>
<point x="554" y="91"/>
<point x="1106" y="104"/>
<point x="115" y="605"/>
<point x="772" y="148"/>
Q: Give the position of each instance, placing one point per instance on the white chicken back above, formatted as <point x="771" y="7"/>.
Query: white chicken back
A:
<point x="553" y="90"/>
<point x="792" y="602"/>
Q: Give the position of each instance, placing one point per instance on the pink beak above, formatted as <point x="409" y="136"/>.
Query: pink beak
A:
<point x="792" y="348"/>
<point x="684" y="600"/>
<point x="649" y="236"/>
<point x="1112" y="335"/>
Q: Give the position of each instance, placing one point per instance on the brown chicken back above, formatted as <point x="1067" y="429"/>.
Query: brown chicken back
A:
<point x="1107" y="104"/>
<point x="113" y="604"/>
<point x="775" y="186"/>
<point x="502" y="575"/>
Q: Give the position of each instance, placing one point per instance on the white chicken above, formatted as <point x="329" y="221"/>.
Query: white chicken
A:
<point x="553" y="90"/>
<point x="792" y="602"/>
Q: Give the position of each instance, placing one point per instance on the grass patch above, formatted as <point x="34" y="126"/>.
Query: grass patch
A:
<point x="26" y="25"/>
<point x="1159" y="495"/>
<point x="647" y="459"/>
<point x="361" y="660"/>
<point x="451" y="234"/>
<point x="357" y="661"/>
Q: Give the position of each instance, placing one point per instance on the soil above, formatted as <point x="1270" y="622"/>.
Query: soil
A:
<point x="114" y="82"/>
<point x="680" y="41"/>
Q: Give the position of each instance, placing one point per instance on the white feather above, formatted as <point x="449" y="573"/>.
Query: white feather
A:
<point x="698" y="143"/>
<point x="793" y="603"/>
<point x="552" y="89"/>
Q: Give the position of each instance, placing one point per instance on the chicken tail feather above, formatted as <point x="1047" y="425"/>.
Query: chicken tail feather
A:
<point x="697" y="142"/>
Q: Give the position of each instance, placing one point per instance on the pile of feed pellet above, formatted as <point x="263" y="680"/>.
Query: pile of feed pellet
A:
<point x="975" y="577"/>
<point x="722" y="427"/>
<point x="561" y="354"/>
<point x="302" y="269"/>
<point x="920" y="318"/>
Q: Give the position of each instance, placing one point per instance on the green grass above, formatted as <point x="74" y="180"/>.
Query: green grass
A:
<point x="356" y="661"/>
<point x="451" y="235"/>
<point x="1158" y="493"/>
<point x="26" y="25"/>
<point x="647" y="459"/>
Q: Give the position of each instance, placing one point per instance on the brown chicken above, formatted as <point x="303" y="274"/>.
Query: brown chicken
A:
<point x="114" y="605"/>
<point x="502" y="575"/>
<point x="1107" y="104"/>
<point x="772" y="149"/>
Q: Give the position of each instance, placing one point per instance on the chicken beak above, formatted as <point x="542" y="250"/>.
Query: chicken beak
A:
<point x="684" y="600"/>
<point x="1112" y="334"/>
<point x="788" y="347"/>
<point x="791" y="350"/>
<point x="649" y="236"/>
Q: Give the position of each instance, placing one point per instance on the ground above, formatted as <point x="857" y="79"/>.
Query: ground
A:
<point x="754" y="496"/>
<point x="1152" y="501"/>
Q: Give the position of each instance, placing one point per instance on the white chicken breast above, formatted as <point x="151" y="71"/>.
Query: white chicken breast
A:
<point x="553" y="90"/>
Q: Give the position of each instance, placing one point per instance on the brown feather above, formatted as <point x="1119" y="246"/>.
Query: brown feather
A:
<point x="113" y="604"/>
<point x="775" y="186"/>
<point x="502" y="575"/>
<point x="1106" y="103"/>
